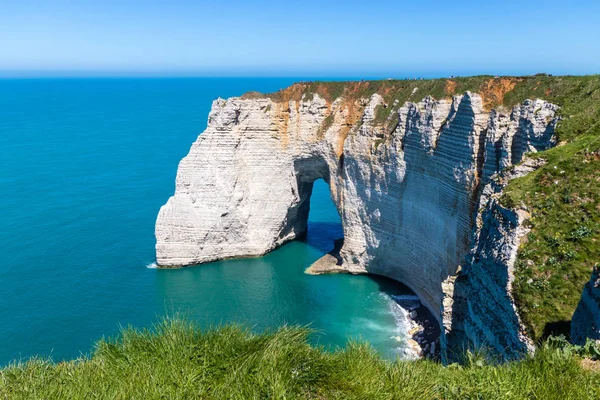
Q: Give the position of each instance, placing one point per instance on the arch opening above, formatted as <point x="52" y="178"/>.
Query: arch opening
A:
<point x="324" y="225"/>
<point x="316" y="218"/>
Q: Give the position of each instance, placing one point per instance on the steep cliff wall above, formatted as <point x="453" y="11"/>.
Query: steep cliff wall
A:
<point x="408" y="188"/>
<point x="479" y="310"/>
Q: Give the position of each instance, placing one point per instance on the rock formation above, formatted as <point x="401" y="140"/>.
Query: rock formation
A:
<point x="586" y="320"/>
<point x="416" y="192"/>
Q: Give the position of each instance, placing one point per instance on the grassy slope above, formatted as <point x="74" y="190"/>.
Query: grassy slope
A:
<point x="563" y="196"/>
<point x="180" y="362"/>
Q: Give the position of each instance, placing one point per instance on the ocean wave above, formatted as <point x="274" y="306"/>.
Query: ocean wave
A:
<point x="152" y="265"/>
<point x="400" y="315"/>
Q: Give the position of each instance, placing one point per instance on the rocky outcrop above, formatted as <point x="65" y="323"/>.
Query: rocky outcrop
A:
<point x="408" y="190"/>
<point x="586" y="319"/>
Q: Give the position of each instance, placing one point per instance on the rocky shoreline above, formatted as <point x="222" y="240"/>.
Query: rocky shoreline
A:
<point x="425" y="333"/>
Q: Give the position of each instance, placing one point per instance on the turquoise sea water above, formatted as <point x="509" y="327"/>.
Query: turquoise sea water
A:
<point x="85" y="166"/>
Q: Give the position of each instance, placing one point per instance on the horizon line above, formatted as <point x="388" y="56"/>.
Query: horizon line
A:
<point x="315" y="77"/>
<point x="366" y="73"/>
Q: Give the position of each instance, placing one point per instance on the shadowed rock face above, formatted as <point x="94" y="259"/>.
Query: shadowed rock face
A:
<point x="409" y="199"/>
<point x="586" y="320"/>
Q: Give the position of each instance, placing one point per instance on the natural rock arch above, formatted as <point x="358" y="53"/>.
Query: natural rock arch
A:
<point x="408" y="199"/>
<point x="307" y="172"/>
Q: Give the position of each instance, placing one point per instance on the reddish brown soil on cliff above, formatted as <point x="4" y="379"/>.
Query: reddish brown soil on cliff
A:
<point x="493" y="91"/>
<point x="450" y="87"/>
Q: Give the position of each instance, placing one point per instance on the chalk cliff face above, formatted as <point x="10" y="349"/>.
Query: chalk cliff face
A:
<point x="415" y="195"/>
<point x="586" y="320"/>
<point x="478" y="308"/>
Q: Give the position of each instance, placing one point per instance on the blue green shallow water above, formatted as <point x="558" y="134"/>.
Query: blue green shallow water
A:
<point x="85" y="165"/>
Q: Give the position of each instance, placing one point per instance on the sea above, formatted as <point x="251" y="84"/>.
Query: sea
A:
<point x="85" y="166"/>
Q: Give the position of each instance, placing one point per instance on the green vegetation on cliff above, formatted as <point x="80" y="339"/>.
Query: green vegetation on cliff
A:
<point x="176" y="360"/>
<point x="563" y="198"/>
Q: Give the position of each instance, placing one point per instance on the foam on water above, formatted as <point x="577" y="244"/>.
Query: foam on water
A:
<point x="371" y="325"/>
<point x="152" y="265"/>
<point x="400" y="307"/>
<point x="400" y="315"/>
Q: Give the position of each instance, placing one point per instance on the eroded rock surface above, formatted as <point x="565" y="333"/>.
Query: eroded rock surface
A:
<point x="479" y="311"/>
<point x="409" y="197"/>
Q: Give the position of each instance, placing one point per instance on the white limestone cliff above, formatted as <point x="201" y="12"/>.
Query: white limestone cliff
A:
<point x="409" y="197"/>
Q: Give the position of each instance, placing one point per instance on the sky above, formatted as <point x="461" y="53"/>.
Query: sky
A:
<point x="298" y="38"/>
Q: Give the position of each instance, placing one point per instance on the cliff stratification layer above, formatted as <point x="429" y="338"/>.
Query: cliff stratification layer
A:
<point x="416" y="191"/>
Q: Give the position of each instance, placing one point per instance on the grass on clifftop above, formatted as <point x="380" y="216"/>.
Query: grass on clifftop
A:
<point x="178" y="361"/>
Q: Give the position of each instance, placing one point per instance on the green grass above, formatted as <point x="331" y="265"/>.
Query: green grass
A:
<point x="175" y="360"/>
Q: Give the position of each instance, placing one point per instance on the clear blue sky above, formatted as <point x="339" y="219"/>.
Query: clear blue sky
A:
<point x="299" y="38"/>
